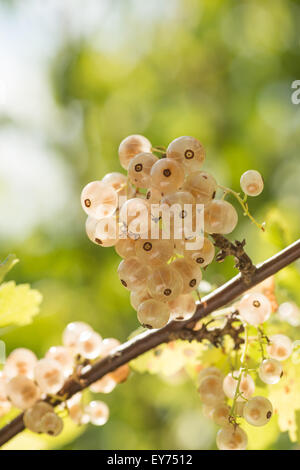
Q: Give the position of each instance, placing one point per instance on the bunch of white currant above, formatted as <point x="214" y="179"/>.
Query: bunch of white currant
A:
<point x="30" y="384"/>
<point x="227" y="399"/>
<point x="162" y="271"/>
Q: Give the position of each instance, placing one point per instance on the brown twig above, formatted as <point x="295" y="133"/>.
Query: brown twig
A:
<point x="150" y="339"/>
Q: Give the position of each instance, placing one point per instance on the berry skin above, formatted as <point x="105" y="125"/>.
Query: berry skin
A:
<point x="153" y="195"/>
<point x="179" y="197"/>
<point x="135" y="218"/>
<point x="133" y="273"/>
<point x="63" y="356"/>
<point x="73" y="331"/>
<point x="220" y="217"/>
<point x="131" y="146"/>
<point x="204" y="256"/>
<point x="108" y="345"/>
<point x="33" y="416"/>
<point x="280" y="347"/>
<point x="231" y="438"/>
<point x="139" y="169"/>
<point x="104" y="385"/>
<point x="126" y="247"/>
<point x="98" y="199"/>
<point x="76" y="411"/>
<point x="164" y="283"/>
<point x="119" y="183"/>
<point x="90" y="228"/>
<point x="270" y="371"/>
<point x="289" y="312"/>
<point x="210" y="390"/>
<point x="153" y="313"/>
<point x="49" y="375"/>
<point x="120" y="374"/>
<point x="154" y="252"/>
<point x="137" y="297"/>
<point x="255" y="308"/>
<point x="51" y="424"/>
<point x="202" y="185"/>
<point x="21" y="361"/>
<point x="258" y="411"/>
<point x="89" y="345"/>
<point x="247" y="385"/>
<point x="190" y="273"/>
<point x="167" y="175"/>
<point x="22" y="392"/>
<point x="182" y="307"/>
<point x="209" y="371"/>
<point x="220" y="414"/>
<point x="252" y="183"/>
<point x="98" y="412"/>
<point x="188" y="151"/>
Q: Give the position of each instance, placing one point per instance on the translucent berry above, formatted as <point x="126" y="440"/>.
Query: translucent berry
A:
<point x="49" y="375"/>
<point x="131" y="146"/>
<point x="289" y="312"/>
<point x="167" y="175"/>
<point x="246" y="387"/>
<point x="252" y="183"/>
<point x="137" y="297"/>
<point x="98" y="199"/>
<point x="139" y="169"/>
<point x="51" y="424"/>
<point x="22" y="392"/>
<point x="63" y="356"/>
<point x="133" y="273"/>
<point x="188" y="151"/>
<point x="203" y="256"/>
<point x="258" y="411"/>
<point x="21" y="361"/>
<point x="73" y="331"/>
<point x="209" y="371"/>
<point x="89" y="345"/>
<point x="220" y="217"/>
<point x="154" y="252"/>
<point x="182" y="307"/>
<point x="189" y="272"/>
<point x="135" y="218"/>
<point x="270" y="371"/>
<point x="220" y="414"/>
<point x="33" y="416"/>
<point x="202" y="185"/>
<point x="255" y="308"/>
<point x="280" y="347"/>
<point x="125" y="247"/>
<point x="165" y="283"/>
<point x="120" y="374"/>
<point x="210" y="390"/>
<point x="153" y="195"/>
<point x="153" y="313"/>
<point x="231" y="438"/>
<point x="104" y="385"/>
<point x="107" y="231"/>
<point x="119" y="183"/>
<point x="108" y="345"/>
<point x="98" y="412"/>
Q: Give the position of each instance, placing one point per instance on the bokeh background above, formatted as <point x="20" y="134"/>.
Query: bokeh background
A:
<point x="76" y="77"/>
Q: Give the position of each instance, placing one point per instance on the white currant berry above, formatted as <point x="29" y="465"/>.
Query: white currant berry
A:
<point x="131" y="146"/>
<point x="99" y="200"/>
<point x="119" y="183"/>
<point x="153" y="195"/>
<point x="220" y="217"/>
<point x="210" y="390"/>
<point x="280" y="347"/>
<point x="133" y="273"/>
<point x="232" y="438"/>
<point x="120" y="374"/>
<point x="154" y="252"/>
<point x="190" y="273"/>
<point x="270" y="371"/>
<point x="203" y="256"/>
<point x="49" y="375"/>
<point x="220" y="414"/>
<point x="125" y="247"/>
<point x="73" y="331"/>
<point x="252" y="183"/>
<point x="51" y="424"/>
<point x="104" y="385"/>
<point x="289" y="312"/>
<point x="258" y="411"/>
<point x="98" y="412"/>
<point x="63" y="356"/>
<point x="246" y="387"/>
<point x="202" y="185"/>
<point x="22" y="392"/>
<point x="255" y="308"/>
<point x="209" y="371"/>
<point x="188" y="151"/>
<point x="153" y="313"/>
<point x="106" y="231"/>
<point x="135" y="218"/>
<point x="33" y="416"/>
<point x="108" y="345"/>
<point x="167" y="175"/>
<point x="89" y="345"/>
<point x="21" y="361"/>
<point x="165" y="283"/>
<point x="182" y="307"/>
<point x="138" y="297"/>
<point x="139" y="169"/>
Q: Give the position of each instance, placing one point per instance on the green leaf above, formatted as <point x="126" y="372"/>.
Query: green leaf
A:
<point x="7" y="265"/>
<point x="18" y="304"/>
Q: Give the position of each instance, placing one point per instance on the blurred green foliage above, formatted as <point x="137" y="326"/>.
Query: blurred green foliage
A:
<point x="219" y="70"/>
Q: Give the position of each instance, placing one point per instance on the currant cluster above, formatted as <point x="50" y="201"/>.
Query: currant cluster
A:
<point x="162" y="262"/>
<point x="228" y="399"/>
<point x="32" y="385"/>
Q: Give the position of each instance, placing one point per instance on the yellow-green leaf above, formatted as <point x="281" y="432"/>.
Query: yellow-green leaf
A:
<point x="18" y="304"/>
<point x="7" y="265"/>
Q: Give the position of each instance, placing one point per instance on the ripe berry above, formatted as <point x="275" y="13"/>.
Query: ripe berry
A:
<point x="220" y="217"/>
<point x="255" y="308"/>
<point x="252" y="183"/>
<point x="139" y="169"/>
<point x="232" y="438"/>
<point x="49" y="375"/>
<point x="188" y="151"/>
<point x="182" y="307"/>
<point x="280" y="347"/>
<point x="165" y="283"/>
<point x="131" y="146"/>
<point x="258" y="411"/>
<point x="189" y="272"/>
<point x="98" y="412"/>
<point x="22" y="392"/>
<point x="133" y="273"/>
<point x="167" y="175"/>
<point x="153" y="313"/>
<point x="98" y="199"/>
<point x="270" y="371"/>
